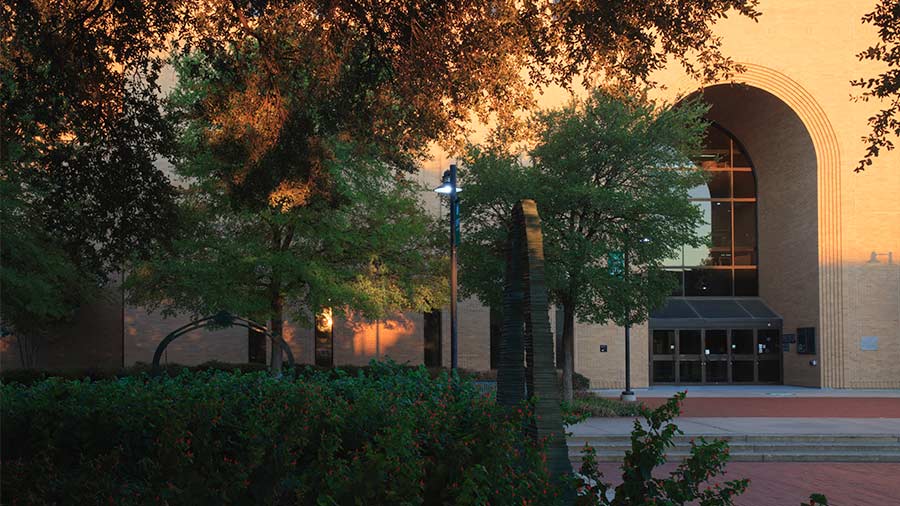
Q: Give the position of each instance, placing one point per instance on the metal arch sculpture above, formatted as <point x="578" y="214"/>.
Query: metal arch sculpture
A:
<point x="526" y="338"/>
<point x="220" y="319"/>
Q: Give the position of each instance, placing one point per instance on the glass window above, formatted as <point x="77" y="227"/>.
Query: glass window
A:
<point x="728" y="226"/>
<point x="720" y="252"/>
<point x="663" y="371"/>
<point x="677" y="276"/>
<point x="663" y="342"/>
<point x="720" y="184"/>
<point x="739" y="158"/>
<point x="744" y="185"/>
<point x="689" y="342"/>
<point x="806" y="340"/>
<point x="707" y="282"/>
<point x="717" y="371"/>
<point x="716" y="342"/>
<point x="694" y="256"/>
<point x="677" y="258"/>
<point x="699" y="192"/>
<point x="717" y="140"/>
<point x="690" y="371"/>
<point x="742" y="343"/>
<point x="746" y="283"/>
<point x="745" y="233"/>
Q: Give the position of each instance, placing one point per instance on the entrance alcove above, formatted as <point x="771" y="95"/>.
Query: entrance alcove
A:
<point x="773" y="140"/>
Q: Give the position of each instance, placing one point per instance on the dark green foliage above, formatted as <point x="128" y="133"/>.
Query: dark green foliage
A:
<point x="589" y="405"/>
<point x="391" y="436"/>
<point x="816" y="500"/>
<point x="31" y="376"/>
<point x="650" y="439"/>
<point x="603" y="174"/>
<point x="80" y="129"/>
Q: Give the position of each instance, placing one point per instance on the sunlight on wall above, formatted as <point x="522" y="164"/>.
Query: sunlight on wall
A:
<point x="373" y="339"/>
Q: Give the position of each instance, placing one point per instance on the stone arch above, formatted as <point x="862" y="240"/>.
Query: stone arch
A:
<point x="760" y="90"/>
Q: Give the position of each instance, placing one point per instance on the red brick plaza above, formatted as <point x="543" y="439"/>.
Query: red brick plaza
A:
<point x="790" y="483"/>
<point x="793" y="407"/>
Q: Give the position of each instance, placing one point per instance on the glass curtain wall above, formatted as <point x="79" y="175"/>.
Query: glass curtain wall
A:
<point x="727" y="265"/>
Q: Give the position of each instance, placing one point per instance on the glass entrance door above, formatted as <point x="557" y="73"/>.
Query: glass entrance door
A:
<point x="743" y="356"/>
<point x="690" y="356"/>
<point x="715" y="356"/>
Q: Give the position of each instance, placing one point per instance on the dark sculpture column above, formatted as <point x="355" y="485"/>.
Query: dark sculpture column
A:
<point x="527" y="340"/>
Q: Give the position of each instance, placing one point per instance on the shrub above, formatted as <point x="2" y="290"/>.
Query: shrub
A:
<point x="649" y="442"/>
<point x="586" y="405"/>
<point x="389" y="435"/>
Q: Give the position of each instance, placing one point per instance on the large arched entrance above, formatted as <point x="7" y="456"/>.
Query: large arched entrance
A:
<point x="761" y="273"/>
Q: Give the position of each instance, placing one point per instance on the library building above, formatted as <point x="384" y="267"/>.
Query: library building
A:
<point x="799" y="284"/>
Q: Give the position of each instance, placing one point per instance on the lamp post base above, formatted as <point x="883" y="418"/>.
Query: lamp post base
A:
<point x="628" y="396"/>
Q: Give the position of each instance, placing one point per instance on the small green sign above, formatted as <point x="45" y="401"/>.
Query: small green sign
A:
<point x="615" y="262"/>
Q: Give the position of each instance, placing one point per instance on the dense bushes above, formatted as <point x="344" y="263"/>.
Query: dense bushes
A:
<point x="586" y="404"/>
<point x="391" y="436"/>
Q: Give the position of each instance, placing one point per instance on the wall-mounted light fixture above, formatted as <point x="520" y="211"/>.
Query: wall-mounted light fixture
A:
<point x="873" y="258"/>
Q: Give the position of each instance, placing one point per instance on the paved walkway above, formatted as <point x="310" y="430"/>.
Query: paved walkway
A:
<point x="781" y="483"/>
<point x="790" y="483"/>
<point x="741" y="426"/>
<point x="773" y="401"/>
<point x="742" y="391"/>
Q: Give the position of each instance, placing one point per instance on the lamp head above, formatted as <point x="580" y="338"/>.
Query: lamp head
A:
<point x="446" y="188"/>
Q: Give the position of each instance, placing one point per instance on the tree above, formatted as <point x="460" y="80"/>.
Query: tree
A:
<point x="80" y="128"/>
<point x="610" y="175"/>
<point x="884" y="86"/>
<point x="275" y="89"/>
<point x="40" y="283"/>
<point x="321" y="222"/>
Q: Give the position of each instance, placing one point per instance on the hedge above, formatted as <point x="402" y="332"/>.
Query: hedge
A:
<point x="391" y="436"/>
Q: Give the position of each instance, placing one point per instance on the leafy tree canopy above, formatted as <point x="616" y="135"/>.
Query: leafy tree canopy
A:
<point x="610" y="176"/>
<point x="603" y="174"/>
<point x="80" y="128"/>
<point x="280" y="217"/>
<point x="886" y="85"/>
<point x="81" y="123"/>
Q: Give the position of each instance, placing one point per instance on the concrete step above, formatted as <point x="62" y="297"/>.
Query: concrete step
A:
<point x="763" y="448"/>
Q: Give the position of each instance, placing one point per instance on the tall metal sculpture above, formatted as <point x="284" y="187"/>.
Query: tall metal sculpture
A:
<point x="526" y="355"/>
<point x="220" y="319"/>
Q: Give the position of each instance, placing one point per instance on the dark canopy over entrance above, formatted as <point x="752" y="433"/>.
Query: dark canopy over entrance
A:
<point x="715" y="340"/>
<point x="709" y="312"/>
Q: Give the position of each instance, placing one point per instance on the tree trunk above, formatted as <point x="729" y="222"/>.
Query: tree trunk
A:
<point x="568" y="346"/>
<point x="277" y="327"/>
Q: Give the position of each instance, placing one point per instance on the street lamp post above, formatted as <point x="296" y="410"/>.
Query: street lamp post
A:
<point x="448" y="187"/>
<point x="627" y="395"/>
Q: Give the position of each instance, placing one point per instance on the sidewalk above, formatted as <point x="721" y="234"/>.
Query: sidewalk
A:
<point x="745" y="391"/>
<point x="775" y="401"/>
<point x="775" y="481"/>
<point x="744" y="426"/>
